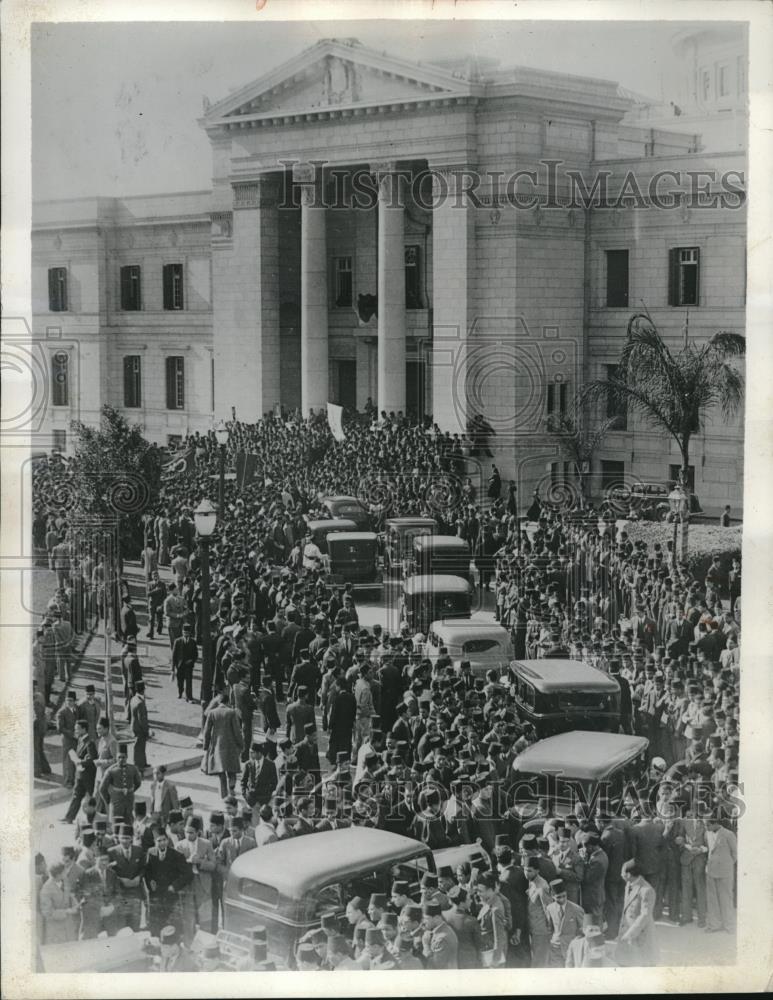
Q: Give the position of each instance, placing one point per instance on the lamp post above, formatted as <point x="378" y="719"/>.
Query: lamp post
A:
<point x="205" y="519"/>
<point x="679" y="502"/>
<point x="221" y="436"/>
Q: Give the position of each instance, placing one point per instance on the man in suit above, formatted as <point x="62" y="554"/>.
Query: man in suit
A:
<point x="565" y="919"/>
<point x="163" y="794"/>
<point x="244" y="701"/>
<point x="119" y="785"/>
<point x="128" y="618"/>
<point x="307" y="753"/>
<point x="613" y="843"/>
<point x="100" y="890"/>
<point x="140" y="726"/>
<point x="127" y="862"/>
<point x="299" y="713"/>
<point x="513" y="885"/>
<point x="90" y="709"/>
<point x="692" y="861"/>
<point x="259" y="777"/>
<point x="720" y="870"/>
<point x="439" y="942"/>
<point x="185" y="652"/>
<point x="65" y="723"/>
<point x="166" y="876"/>
<point x="233" y="846"/>
<point x="85" y="769"/>
<point x="636" y="945"/>
<point x="200" y="855"/>
<point x="647" y="849"/>
<point x="59" y="908"/>
<point x="156" y="598"/>
<point x="222" y="744"/>
<point x="594" y="867"/>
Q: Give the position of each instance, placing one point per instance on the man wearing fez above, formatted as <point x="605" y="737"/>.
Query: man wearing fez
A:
<point x="566" y="921"/>
<point x="126" y="861"/>
<point x="167" y="874"/>
<point x="259" y="777"/>
<point x="439" y="942"/>
<point x="119" y="785"/>
<point x="140" y="726"/>
<point x="185" y="652"/>
<point x="85" y="755"/>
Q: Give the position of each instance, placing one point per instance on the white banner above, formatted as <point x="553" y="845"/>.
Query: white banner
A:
<point x="334" y="415"/>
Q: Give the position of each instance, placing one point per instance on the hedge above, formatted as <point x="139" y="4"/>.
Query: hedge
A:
<point x="704" y="542"/>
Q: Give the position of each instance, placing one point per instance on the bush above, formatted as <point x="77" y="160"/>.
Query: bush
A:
<point x="705" y="541"/>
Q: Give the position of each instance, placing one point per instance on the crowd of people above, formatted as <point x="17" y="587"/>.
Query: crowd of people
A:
<point x="415" y="746"/>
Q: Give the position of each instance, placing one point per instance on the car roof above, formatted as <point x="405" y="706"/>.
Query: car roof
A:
<point x="442" y="542"/>
<point x="355" y="536"/>
<point x="580" y="754"/>
<point x="340" y="498"/>
<point x="294" y="865"/>
<point x="554" y="675"/>
<point x="436" y="582"/>
<point x="401" y="521"/>
<point x="469" y="630"/>
<point x="334" y="523"/>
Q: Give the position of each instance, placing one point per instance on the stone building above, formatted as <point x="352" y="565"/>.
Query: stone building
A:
<point x="429" y="236"/>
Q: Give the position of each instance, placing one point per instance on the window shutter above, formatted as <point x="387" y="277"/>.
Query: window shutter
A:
<point x="697" y="276"/>
<point x="125" y="287"/>
<point x="170" y="400"/>
<point x="168" y="272"/>
<point x="127" y="381"/>
<point x="673" y="277"/>
<point x="52" y="289"/>
<point x="551" y="402"/>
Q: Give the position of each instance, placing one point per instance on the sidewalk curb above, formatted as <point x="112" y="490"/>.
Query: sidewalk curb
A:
<point x="64" y="794"/>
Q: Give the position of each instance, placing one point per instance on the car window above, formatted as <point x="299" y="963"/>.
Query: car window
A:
<point x="329" y="897"/>
<point x="366" y="883"/>
<point x="410" y="871"/>
<point x="480" y="645"/>
<point x="258" y="892"/>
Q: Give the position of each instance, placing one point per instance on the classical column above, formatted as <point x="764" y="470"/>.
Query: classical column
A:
<point x="453" y="260"/>
<point x="314" y="347"/>
<point x="391" y="291"/>
<point x="245" y="301"/>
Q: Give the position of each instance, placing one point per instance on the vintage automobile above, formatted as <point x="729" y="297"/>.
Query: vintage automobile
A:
<point x="349" y="508"/>
<point x="426" y="599"/>
<point x="288" y="885"/>
<point x="124" y="952"/>
<point x="352" y="557"/>
<point x="645" y="501"/>
<point x="556" y="695"/>
<point x="578" y="766"/>
<point x="446" y="554"/>
<point x="486" y="646"/>
<point x="319" y="530"/>
<point x="398" y="539"/>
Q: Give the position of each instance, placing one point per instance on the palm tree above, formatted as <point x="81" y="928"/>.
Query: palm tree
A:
<point x="673" y="391"/>
<point x="579" y="440"/>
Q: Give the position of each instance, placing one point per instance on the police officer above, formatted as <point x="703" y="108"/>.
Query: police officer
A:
<point x="119" y="785"/>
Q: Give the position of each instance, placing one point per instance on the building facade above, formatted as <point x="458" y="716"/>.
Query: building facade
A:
<point x="445" y="239"/>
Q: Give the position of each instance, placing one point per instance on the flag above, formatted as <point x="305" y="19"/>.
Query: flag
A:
<point x="179" y="465"/>
<point x="246" y="469"/>
<point x="334" y="414"/>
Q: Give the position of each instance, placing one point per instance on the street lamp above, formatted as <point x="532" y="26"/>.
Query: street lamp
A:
<point x="205" y="519"/>
<point x="679" y="502"/>
<point x="221" y="436"/>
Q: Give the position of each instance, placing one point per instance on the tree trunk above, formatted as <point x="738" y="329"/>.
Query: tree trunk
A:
<point x="685" y="518"/>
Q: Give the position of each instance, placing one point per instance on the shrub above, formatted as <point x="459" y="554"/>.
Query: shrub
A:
<point x="705" y="541"/>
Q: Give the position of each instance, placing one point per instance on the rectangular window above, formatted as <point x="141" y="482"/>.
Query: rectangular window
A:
<point x="131" y="300"/>
<point x="723" y="81"/>
<point x="673" y="475"/>
<point x="705" y="85"/>
<point x="59" y="441"/>
<point x="617" y="278"/>
<point x="212" y="382"/>
<point x="57" y="289"/>
<point x="173" y="286"/>
<point x="132" y="381"/>
<point x="175" y="383"/>
<point x="616" y="405"/>
<point x="683" y="276"/>
<point x="60" y="379"/>
<point x="557" y="394"/>
<point x="343" y="281"/>
<point x="612" y="474"/>
<point x="740" y="75"/>
<point x="413" y="296"/>
<point x="560" y="472"/>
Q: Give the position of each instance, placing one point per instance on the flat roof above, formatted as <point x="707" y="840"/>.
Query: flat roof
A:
<point x="469" y="628"/>
<point x="553" y="675"/>
<point x="330" y="522"/>
<point x="437" y="582"/>
<point x="410" y="520"/>
<point x="355" y="536"/>
<point x="339" y="498"/>
<point x="294" y="865"/>
<point x="442" y="541"/>
<point x="580" y="754"/>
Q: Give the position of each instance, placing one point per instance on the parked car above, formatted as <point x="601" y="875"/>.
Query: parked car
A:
<point x="571" y="767"/>
<point x="557" y="695"/>
<point x="485" y="645"/>
<point x="647" y="501"/>
<point x="426" y="599"/>
<point x="447" y="554"/>
<point x="319" y="530"/>
<point x="353" y="558"/>
<point x="399" y="535"/>
<point x="288" y="885"/>
<point x="349" y="508"/>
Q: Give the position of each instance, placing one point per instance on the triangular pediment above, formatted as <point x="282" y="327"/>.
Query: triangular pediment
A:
<point x="338" y="74"/>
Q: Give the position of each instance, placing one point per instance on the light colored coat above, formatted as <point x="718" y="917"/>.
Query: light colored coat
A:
<point x="222" y="741"/>
<point x="722" y="853"/>
<point x="55" y="901"/>
<point x="638" y="910"/>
